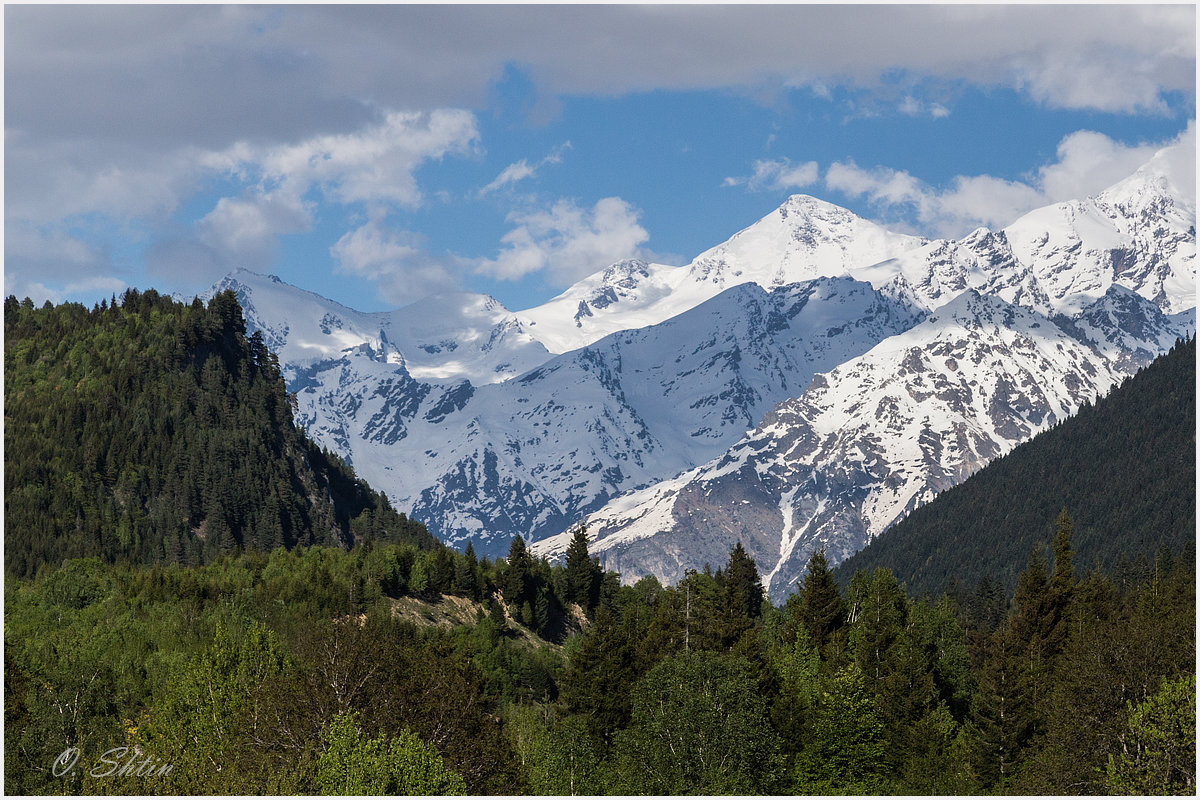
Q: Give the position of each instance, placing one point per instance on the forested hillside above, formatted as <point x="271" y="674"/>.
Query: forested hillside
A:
<point x="294" y="673"/>
<point x="1123" y="468"/>
<point x="155" y="431"/>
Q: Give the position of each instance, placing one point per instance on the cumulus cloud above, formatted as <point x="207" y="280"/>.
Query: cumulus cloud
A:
<point x="567" y="242"/>
<point x="1087" y="163"/>
<point x="375" y="164"/>
<point x="396" y="260"/>
<point x="373" y="167"/>
<point x="777" y="175"/>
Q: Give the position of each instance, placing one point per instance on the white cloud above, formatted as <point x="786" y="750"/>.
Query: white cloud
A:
<point x="513" y="173"/>
<point x="1088" y="163"/>
<point x="245" y="230"/>
<point x="375" y="164"/>
<point x="881" y="184"/>
<point x="777" y="175"/>
<point x="290" y="100"/>
<point x="396" y="260"/>
<point x="913" y="107"/>
<point x="374" y="167"/>
<point x="39" y="292"/>
<point x="567" y="242"/>
<point x="522" y="170"/>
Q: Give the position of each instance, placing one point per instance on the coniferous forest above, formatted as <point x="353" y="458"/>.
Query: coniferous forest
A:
<point x="156" y="432"/>
<point x="198" y="601"/>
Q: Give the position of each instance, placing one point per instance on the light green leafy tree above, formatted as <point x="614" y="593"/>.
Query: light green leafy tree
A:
<point x="1159" y="748"/>
<point x="560" y="757"/>
<point x="354" y="763"/>
<point x="848" y="744"/>
<point x="699" y="727"/>
<point x="214" y="723"/>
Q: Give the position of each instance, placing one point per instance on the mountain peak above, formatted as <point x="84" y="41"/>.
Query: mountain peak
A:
<point x="807" y="205"/>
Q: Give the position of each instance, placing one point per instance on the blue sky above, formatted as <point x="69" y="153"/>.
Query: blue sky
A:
<point x="378" y="154"/>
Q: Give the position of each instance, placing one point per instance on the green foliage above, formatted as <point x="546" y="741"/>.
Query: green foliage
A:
<point x="355" y="764"/>
<point x="742" y="595"/>
<point x="1159" y="746"/>
<point x="822" y="609"/>
<point x="560" y="756"/>
<point x="583" y="574"/>
<point x="698" y="727"/>
<point x="242" y="626"/>
<point x="845" y="754"/>
<point x="212" y="709"/>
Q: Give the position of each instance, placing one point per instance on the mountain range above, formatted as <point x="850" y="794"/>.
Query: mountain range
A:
<point x="805" y="384"/>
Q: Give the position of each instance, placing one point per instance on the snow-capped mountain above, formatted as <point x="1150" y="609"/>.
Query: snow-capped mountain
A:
<point x="1024" y="325"/>
<point x="878" y="435"/>
<point x="528" y="455"/>
<point x="533" y="454"/>
<point x="805" y="238"/>
<point x="677" y="406"/>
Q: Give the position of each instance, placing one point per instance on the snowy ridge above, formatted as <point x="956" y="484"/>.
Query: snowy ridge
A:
<point x="878" y="435"/>
<point x="443" y="339"/>
<point x="528" y="455"/>
<point x="805" y="238"/>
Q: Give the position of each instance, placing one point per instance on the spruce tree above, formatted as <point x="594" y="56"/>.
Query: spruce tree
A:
<point x="741" y="595"/>
<point x="822" y="609"/>
<point x="582" y="573"/>
<point x="518" y="577"/>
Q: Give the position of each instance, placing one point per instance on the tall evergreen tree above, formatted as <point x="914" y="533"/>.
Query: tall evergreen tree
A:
<point x="741" y="594"/>
<point x="583" y="574"/>
<point x="518" y="576"/>
<point x="822" y="609"/>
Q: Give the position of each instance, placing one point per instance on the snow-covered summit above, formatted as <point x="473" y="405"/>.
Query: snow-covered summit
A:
<point x="804" y="238"/>
<point x="444" y="338"/>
